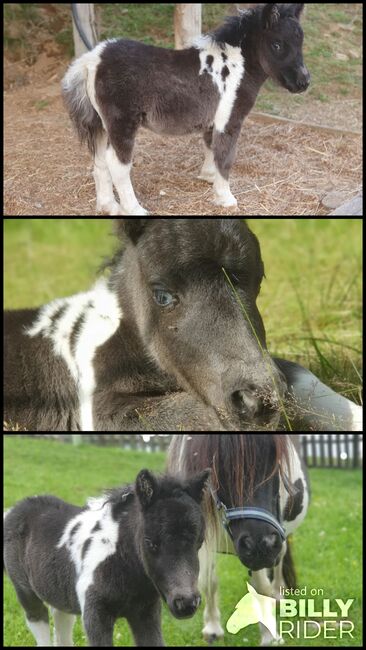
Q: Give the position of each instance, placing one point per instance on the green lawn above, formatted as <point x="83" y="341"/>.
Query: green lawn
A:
<point x="327" y="547"/>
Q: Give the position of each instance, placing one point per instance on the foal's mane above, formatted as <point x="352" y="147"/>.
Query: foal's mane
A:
<point x="233" y="459"/>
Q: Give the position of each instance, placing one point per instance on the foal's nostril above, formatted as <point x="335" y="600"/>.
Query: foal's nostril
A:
<point x="186" y="606"/>
<point x="252" y="401"/>
<point x="245" y="400"/>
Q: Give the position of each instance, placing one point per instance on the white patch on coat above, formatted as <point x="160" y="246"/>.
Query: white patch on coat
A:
<point x="103" y="542"/>
<point x="228" y="85"/>
<point x="295" y="472"/>
<point x="97" y="315"/>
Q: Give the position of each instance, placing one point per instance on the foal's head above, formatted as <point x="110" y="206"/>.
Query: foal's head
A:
<point x="277" y="40"/>
<point x="191" y="287"/>
<point x="172" y="533"/>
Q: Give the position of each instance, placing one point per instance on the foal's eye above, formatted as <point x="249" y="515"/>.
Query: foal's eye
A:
<point x="164" y="298"/>
<point x="276" y="46"/>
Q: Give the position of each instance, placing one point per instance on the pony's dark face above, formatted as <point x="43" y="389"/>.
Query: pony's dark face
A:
<point x="258" y="544"/>
<point x="281" y="46"/>
<point x="193" y="295"/>
<point x="173" y="532"/>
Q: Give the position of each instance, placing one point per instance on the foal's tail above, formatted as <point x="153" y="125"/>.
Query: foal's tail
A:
<point x="288" y="568"/>
<point x="77" y="83"/>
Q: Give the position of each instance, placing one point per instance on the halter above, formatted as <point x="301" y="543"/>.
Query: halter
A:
<point x="231" y="514"/>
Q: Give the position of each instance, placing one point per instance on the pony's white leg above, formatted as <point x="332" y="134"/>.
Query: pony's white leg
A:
<point x="64" y="624"/>
<point x="120" y="173"/>
<point x="208" y="171"/>
<point x="208" y="582"/>
<point x="318" y="407"/>
<point x="103" y="180"/>
<point x="40" y="631"/>
<point x="223" y="195"/>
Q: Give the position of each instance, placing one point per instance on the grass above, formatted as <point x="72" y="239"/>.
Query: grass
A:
<point x="327" y="548"/>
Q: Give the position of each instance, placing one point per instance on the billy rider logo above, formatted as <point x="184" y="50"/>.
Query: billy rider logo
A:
<point x="294" y="619"/>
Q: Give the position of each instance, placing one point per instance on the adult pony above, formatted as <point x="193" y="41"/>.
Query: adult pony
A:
<point x="260" y="492"/>
<point x="107" y="560"/>
<point x="211" y="87"/>
<point x="171" y="341"/>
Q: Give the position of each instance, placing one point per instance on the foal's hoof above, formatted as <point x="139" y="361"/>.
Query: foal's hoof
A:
<point x="137" y="211"/>
<point x="212" y="632"/>
<point x="226" y="201"/>
<point x="112" y="208"/>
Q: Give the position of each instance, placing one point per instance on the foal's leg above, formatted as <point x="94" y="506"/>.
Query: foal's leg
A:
<point x="119" y="161"/>
<point x="103" y="180"/>
<point x="36" y="614"/>
<point x="208" y="171"/>
<point x="145" y="624"/>
<point x="316" y="406"/>
<point x="64" y="624"/>
<point x="223" y="147"/>
<point x="98" y="623"/>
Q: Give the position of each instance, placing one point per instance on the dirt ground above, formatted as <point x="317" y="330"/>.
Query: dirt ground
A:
<point x="282" y="168"/>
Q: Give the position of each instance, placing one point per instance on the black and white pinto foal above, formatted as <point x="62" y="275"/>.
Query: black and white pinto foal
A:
<point x="260" y="492"/>
<point x="122" y="85"/>
<point x="108" y="560"/>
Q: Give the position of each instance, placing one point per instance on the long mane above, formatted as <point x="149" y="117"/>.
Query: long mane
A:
<point x="234" y="460"/>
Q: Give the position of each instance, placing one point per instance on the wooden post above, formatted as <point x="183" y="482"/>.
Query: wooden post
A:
<point x="85" y="13"/>
<point x="187" y="24"/>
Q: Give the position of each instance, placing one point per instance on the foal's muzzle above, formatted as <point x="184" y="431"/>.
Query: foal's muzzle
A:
<point x="184" y="606"/>
<point x="299" y="83"/>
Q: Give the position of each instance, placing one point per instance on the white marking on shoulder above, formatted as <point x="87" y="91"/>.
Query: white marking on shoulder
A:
<point x="96" y="525"/>
<point x="225" y="64"/>
<point x="77" y="326"/>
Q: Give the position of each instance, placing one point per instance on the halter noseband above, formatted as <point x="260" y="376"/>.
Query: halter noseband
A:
<point x="230" y="514"/>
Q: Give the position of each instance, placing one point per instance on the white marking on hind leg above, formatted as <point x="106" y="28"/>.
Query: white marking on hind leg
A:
<point x="103" y="180"/>
<point x="208" y="171"/>
<point x="121" y="178"/>
<point x="223" y="195"/>
<point x="40" y="631"/>
<point x="320" y="408"/>
<point x="64" y="624"/>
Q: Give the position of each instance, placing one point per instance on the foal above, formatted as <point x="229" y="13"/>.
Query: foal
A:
<point x="210" y="88"/>
<point x="172" y="341"/>
<point x="107" y="560"/>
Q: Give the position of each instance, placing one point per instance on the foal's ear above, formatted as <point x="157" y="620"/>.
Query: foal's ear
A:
<point x="297" y="9"/>
<point x="146" y="488"/>
<point x="270" y="15"/>
<point x="197" y="485"/>
<point x="131" y="228"/>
